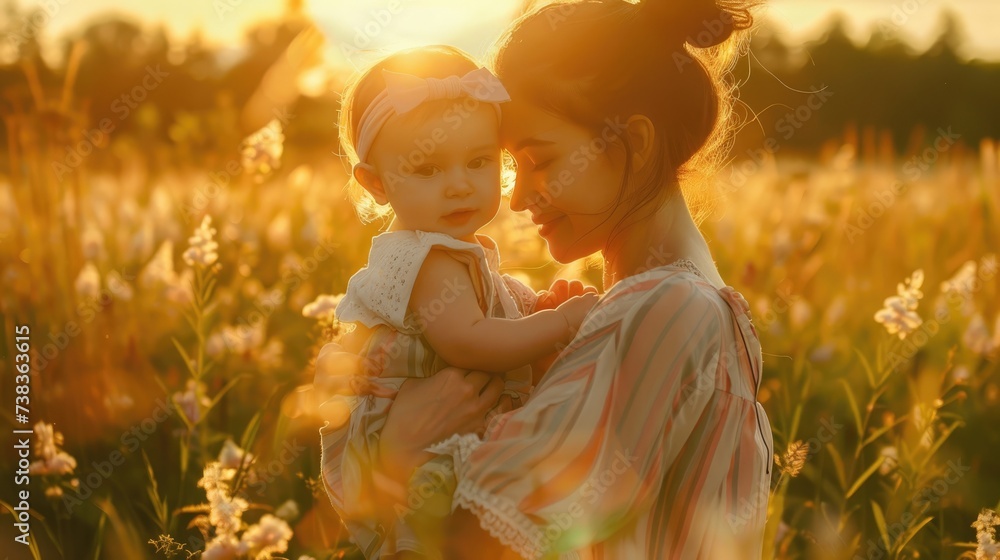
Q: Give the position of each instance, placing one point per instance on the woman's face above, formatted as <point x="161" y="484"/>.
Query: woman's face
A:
<point x="568" y="177"/>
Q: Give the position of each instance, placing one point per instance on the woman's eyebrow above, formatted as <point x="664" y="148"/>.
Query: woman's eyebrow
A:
<point x="485" y="148"/>
<point x="531" y="142"/>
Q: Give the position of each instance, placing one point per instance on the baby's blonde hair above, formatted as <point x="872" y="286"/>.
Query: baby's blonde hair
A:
<point x="435" y="61"/>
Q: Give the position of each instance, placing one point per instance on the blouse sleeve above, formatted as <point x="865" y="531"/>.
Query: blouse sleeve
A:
<point x="592" y="447"/>
<point x="525" y="297"/>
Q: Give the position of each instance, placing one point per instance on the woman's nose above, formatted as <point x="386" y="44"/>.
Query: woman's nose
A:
<point x="520" y="194"/>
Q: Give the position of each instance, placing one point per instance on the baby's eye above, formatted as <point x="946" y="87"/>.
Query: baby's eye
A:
<point x="480" y="162"/>
<point x="426" y="171"/>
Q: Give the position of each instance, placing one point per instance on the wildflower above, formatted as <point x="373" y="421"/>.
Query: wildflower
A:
<point x="52" y="460"/>
<point x="88" y="282"/>
<point x="231" y="456"/>
<point x="987" y="547"/>
<point x="215" y="478"/>
<point x="800" y="313"/>
<point x="225" y="512"/>
<point x="899" y="314"/>
<point x="92" y="241"/>
<point x="288" y="510"/>
<point x="322" y="306"/>
<point x="160" y="269"/>
<point x="269" y="357"/>
<point x="279" y="232"/>
<point x="261" y="151"/>
<point x="202" y="246"/>
<point x="119" y="287"/>
<point x="222" y="547"/>
<point x="960" y="375"/>
<point x="167" y="545"/>
<point x="977" y="336"/>
<point x="271" y="534"/>
<point x="963" y="285"/>
<point x="794" y="459"/>
<point x="226" y="515"/>
<point x="192" y="400"/>
<point x="890" y="460"/>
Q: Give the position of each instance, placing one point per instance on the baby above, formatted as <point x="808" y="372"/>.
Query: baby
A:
<point x="421" y="128"/>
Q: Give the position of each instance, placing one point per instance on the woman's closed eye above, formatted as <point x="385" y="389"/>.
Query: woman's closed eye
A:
<point x="542" y="164"/>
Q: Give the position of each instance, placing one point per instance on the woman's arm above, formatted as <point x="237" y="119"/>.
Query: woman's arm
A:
<point x="431" y="409"/>
<point x="590" y="450"/>
<point x="453" y="323"/>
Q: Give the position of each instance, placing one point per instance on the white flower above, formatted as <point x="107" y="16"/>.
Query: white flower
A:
<point x="48" y="439"/>
<point x="53" y="461"/>
<point x="215" y="478"/>
<point x="226" y="515"/>
<point x="960" y="375"/>
<point x="189" y="401"/>
<point x="88" y="282"/>
<point x="801" y="313"/>
<point x="890" y="460"/>
<point x="899" y="312"/>
<point x="202" y="246"/>
<point x="288" y="510"/>
<point x="977" y="336"/>
<point x="262" y="150"/>
<point x="269" y="357"/>
<point x="279" y="232"/>
<point x="231" y="456"/>
<point x="119" y="287"/>
<point x="92" y="241"/>
<point x="222" y="547"/>
<point x="160" y="269"/>
<point x="271" y="534"/>
<point x="963" y="280"/>
<point x="60" y="463"/>
<point x="322" y="305"/>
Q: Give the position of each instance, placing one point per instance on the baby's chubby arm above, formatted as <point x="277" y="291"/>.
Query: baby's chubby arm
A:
<point x="456" y="328"/>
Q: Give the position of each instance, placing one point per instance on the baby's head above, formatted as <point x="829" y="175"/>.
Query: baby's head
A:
<point x="421" y="128"/>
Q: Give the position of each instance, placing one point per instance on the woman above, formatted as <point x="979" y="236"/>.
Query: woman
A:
<point x="644" y="439"/>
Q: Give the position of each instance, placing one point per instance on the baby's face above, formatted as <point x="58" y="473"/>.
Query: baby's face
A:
<point x="440" y="167"/>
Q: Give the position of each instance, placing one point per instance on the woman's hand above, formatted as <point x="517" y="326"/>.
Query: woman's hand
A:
<point x="560" y="291"/>
<point x="429" y="410"/>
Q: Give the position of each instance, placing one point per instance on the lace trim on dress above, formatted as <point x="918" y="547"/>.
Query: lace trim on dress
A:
<point x="497" y="516"/>
<point x="688" y="265"/>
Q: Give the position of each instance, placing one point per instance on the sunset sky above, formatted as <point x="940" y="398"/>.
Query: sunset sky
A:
<point x="474" y="24"/>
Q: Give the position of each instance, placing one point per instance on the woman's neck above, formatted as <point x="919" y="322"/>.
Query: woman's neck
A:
<point x="668" y="235"/>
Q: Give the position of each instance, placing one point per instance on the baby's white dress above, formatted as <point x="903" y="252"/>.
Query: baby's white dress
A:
<point x="378" y="297"/>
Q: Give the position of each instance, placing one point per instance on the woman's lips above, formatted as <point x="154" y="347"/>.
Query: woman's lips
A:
<point x="546" y="227"/>
<point x="459" y="218"/>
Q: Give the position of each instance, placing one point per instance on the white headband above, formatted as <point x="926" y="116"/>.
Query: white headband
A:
<point x="404" y="92"/>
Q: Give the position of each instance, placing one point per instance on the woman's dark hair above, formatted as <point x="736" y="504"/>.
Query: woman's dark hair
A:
<point x="593" y="60"/>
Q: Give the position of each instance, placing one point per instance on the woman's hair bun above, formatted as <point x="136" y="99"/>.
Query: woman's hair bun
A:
<point x="699" y="23"/>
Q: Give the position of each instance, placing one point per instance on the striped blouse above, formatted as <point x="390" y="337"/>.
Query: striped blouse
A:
<point x="643" y="441"/>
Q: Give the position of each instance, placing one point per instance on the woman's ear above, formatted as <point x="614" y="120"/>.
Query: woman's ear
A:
<point x="367" y="177"/>
<point x="641" y="135"/>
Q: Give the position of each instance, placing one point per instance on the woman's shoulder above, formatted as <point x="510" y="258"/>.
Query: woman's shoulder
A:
<point x="676" y="285"/>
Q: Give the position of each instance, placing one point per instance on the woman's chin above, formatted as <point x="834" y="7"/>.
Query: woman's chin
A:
<point x="561" y="252"/>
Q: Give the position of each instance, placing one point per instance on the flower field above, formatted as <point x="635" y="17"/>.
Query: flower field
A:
<point x="175" y="308"/>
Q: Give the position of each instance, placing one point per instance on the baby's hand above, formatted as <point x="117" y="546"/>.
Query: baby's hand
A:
<point x="560" y="291"/>
<point x="576" y="308"/>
